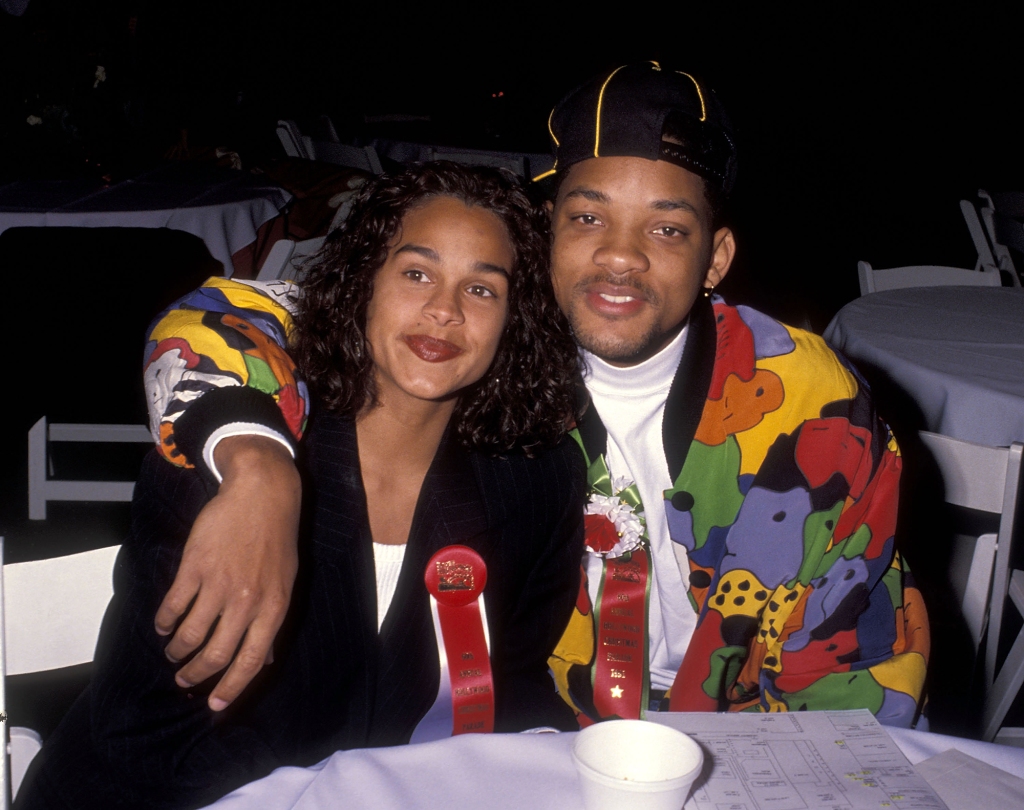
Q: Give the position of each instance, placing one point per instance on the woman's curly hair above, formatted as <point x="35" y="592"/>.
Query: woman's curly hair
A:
<point x="527" y="396"/>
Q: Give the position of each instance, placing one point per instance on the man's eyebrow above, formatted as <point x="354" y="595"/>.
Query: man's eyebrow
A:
<point x="674" y="205"/>
<point x="592" y="195"/>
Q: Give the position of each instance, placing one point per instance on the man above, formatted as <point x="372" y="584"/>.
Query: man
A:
<point x="744" y="492"/>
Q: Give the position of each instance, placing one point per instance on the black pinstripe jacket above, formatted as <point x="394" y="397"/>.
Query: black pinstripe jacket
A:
<point x="135" y="739"/>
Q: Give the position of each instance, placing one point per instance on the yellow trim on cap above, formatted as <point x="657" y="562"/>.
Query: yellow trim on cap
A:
<point x="700" y="95"/>
<point x="600" y="100"/>
<point x="541" y="176"/>
<point x="551" y="132"/>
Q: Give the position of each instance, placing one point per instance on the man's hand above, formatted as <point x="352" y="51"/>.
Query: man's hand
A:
<point x="239" y="566"/>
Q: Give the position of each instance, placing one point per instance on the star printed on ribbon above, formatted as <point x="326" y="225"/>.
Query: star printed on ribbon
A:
<point x="612" y="526"/>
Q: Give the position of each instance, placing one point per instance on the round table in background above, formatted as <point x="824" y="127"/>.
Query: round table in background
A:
<point x="223" y="207"/>
<point x="957" y="352"/>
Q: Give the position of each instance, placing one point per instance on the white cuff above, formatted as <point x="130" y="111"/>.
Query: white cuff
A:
<point x="239" y="429"/>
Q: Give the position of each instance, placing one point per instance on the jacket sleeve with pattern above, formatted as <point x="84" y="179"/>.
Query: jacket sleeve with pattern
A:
<point x="219" y="356"/>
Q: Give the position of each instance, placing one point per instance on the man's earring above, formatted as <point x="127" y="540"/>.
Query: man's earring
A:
<point x="708" y="291"/>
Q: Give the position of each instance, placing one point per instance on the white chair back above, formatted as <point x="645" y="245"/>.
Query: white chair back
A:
<point x="286" y="259"/>
<point x="294" y="142"/>
<point x="50" y="616"/>
<point x="981" y="241"/>
<point x="896" y="278"/>
<point x="42" y="488"/>
<point x="1001" y="216"/>
<point x="987" y="479"/>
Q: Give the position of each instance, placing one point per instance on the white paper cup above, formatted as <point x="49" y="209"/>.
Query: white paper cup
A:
<point x="633" y="764"/>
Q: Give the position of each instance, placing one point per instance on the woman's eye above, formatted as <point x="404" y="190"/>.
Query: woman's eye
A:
<point x="416" y="275"/>
<point x="586" y="219"/>
<point x="481" y="291"/>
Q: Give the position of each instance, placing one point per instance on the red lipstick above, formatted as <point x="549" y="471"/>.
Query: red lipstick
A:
<point x="433" y="350"/>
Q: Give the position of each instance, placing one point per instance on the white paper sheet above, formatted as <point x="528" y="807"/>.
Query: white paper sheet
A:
<point x="840" y="760"/>
<point x="966" y="783"/>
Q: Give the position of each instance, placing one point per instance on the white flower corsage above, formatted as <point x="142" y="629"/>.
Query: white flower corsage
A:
<point x="611" y="526"/>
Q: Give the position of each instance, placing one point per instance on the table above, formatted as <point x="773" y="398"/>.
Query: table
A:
<point x="493" y="771"/>
<point x="222" y="207"/>
<point x="958" y="352"/>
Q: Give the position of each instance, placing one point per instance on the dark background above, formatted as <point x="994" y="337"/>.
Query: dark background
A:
<point x="859" y="130"/>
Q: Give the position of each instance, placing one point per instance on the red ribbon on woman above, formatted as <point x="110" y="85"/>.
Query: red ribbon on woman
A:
<point x="455" y="577"/>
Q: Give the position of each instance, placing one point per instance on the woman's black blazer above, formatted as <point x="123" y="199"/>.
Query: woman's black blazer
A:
<point x="135" y="739"/>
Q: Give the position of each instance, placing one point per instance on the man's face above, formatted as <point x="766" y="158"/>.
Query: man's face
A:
<point x="632" y="249"/>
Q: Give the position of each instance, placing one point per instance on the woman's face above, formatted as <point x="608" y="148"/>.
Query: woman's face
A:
<point x="439" y="301"/>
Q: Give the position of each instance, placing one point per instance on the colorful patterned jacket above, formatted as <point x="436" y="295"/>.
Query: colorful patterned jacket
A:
<point x="785" y="497"/>
<point x="228" y="336"/>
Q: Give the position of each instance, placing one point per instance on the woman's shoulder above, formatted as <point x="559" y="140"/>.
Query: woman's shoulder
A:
<point x="555" y="475"/>
<point x="537" y="460"/>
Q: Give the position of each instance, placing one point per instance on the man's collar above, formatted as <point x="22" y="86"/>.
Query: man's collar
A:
<point x="641" y="379"/>
<point x="686" y="397"/>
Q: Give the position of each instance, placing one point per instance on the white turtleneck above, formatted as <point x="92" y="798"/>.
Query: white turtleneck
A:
<point x="631" y="404"/>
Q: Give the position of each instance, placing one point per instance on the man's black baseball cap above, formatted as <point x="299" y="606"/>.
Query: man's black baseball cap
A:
<point x="624" y="113"/>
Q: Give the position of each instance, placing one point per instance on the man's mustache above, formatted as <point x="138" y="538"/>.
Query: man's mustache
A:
<point x="640" y="290"/>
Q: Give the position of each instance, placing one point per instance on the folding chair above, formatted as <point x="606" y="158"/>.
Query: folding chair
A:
<point x="50" y="616"/>
<point x="294" y="142"/>
<point x="328" y="128"/>
<point x="42" y="488"/>
<point x="474" y="157"/>
<point x="1001" y="216"/>
<point x="987" y="479"/>
<point x="286" y="259"/>
<point x="1005" y="677"/>
<point x="1010" y="677"/>
<point x="342" y="154"/>
<point x="978" y="236"/>
<point x="923" y="275"/>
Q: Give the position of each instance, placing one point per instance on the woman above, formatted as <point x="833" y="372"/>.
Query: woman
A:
<point x="441" y="375"/>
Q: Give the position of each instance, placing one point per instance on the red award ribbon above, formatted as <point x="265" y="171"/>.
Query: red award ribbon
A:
<point x="455" y="577"/>
<point x="621" y="681"/>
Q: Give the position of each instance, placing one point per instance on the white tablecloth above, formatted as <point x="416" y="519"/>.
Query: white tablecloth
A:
<point x="957" y="351"/>
<point x="496" y="771"/>
<point x="222" y="207"/>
